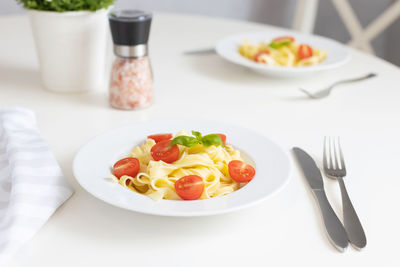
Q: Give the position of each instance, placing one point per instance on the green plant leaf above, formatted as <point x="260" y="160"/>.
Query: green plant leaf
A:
<point x="190" y="141"/>
<point x="212" y="139"/>
<point x="66" y="5"/>
<point x="183" y="140"/>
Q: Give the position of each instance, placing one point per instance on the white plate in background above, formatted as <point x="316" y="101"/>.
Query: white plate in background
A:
<point x="337" y="53"/>
<point x="92" y="168"/>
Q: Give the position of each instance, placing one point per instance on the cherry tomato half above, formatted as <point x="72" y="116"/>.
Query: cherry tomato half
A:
<point x="223" y="138"/>
<point x="259" y="54"/>
<point x="162" y="151"/>
<point x="189" y="187"/>
<point x="160" y="137"/>
<point x="283" y="39"/>
<point x="126" y="166"/>
<point x="240" y="171"/>
<point x="305" y="51"/>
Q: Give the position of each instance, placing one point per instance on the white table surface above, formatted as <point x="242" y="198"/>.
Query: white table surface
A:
<point x="286" y="229"/>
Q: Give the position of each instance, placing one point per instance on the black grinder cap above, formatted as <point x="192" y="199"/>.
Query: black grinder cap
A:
<point x="130" y="27"/>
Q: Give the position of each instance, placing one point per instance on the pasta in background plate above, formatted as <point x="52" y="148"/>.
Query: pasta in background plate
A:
<point x="206" y="157"/>
<point x="282" y="51"/>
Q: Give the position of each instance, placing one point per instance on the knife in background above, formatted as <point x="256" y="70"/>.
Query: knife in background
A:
<point x="333" y="226"/>
<point x="204" y="51"/>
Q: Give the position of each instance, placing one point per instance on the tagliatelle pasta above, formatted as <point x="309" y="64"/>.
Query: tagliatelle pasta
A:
<point x="156" y="179"/>
<point x="282" y="51"/>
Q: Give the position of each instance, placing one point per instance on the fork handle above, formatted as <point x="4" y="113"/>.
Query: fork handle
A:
<point x="333" y="226"/>
<point x="370" y="75"/>
<point x="351" y="221"/>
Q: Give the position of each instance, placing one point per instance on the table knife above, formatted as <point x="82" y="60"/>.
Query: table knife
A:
<point x="336" y="232"/>
<point x="203" y="51"/>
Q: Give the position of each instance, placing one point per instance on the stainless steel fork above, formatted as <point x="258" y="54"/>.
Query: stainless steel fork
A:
<point x="334" y="167"/>
<point x="325" y="92"/>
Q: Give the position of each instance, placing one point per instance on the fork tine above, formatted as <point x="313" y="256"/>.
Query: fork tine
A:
<point x="335" y="151"/>
<point x="324" y="155"/>
<point x="330" y="152"/>
<point x="341" y="156"/>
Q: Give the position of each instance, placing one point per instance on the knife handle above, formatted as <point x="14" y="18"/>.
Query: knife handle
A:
<point x="351" y="221"/>
<point x="333" y="226"/>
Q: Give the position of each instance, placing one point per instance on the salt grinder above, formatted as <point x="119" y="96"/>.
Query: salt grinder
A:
<point x="131" y="82"/>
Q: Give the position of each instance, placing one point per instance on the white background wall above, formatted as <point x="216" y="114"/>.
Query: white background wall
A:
<point x="276" y="12"/>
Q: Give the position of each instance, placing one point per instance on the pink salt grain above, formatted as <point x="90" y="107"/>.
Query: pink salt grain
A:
<point x="131" y="83"/>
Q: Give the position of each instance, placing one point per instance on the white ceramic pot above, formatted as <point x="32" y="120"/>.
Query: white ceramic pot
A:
<point x="72" y="49"/>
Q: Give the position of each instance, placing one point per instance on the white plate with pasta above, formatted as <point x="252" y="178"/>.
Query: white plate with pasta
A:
<point x="152" y="167"/>
<point x="283" y="53"/>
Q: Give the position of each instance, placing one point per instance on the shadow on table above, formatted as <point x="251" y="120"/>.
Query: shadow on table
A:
<point x="20" y="77"/>
<point x="299" y="97"/>
<point x="216" y="68"/>
<point x="25" y="78"/>
<point x="95" y="219"/>
<point x="97" y="99"/>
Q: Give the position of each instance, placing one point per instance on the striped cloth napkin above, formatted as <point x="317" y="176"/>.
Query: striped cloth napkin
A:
<point x="32" y="185"/>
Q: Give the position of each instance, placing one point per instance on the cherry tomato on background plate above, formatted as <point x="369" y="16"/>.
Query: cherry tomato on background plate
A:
<point x="189" y="187"/>
<point x="126" y="166"/>
<point x="223" y="138"/>
<point x="160" y="137"/>
<point x="282" y="39"/>
<point x="259" y="54"/>
<point x="305" y="51"/>
<point x="162" y="151"/>
<point x="240" y="171"/>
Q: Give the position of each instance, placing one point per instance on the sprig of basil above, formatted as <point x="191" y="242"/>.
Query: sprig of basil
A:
<point x="197" y="135"/>
<point x="190" y="141"/>
<point x="276" y="45"/>
<point x="184" y="140"/>
<point x="212" y="139"/>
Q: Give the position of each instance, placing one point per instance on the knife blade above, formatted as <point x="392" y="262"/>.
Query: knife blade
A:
<point x="336" y="232"/>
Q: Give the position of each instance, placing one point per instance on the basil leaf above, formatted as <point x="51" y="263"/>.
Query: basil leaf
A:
<point x="211" y="139"/>
<point x="197" y="135"/>
<point x="276" y="45"/>
<point x="183" y="140"/>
